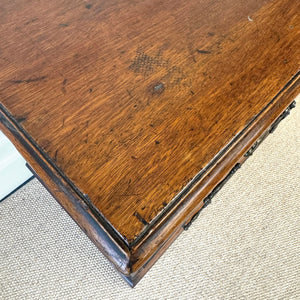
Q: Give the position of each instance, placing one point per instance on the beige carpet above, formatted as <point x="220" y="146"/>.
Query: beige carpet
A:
<point x="245" y="245"/>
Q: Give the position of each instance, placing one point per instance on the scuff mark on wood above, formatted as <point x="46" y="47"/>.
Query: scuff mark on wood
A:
<point x="157" y="88"/>
<point x="145" y="64"/>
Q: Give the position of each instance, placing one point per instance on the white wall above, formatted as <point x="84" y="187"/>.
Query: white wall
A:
<point x="13" y="171"/>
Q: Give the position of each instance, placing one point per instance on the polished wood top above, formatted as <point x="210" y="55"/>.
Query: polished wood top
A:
<point x="130" y="100"/>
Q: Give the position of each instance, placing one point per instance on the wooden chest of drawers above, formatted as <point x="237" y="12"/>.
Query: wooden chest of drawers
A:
<point x="133" y="114"/>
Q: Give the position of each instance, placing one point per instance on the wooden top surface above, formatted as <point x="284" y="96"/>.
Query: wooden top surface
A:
<point x="132" y="99"/>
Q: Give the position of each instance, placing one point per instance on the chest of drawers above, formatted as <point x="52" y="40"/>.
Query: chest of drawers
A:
<point x="133" y="114"/>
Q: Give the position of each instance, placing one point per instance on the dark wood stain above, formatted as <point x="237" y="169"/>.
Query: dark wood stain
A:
<point x="132" y="112"/>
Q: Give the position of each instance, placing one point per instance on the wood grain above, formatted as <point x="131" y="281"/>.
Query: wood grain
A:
<point x="132" y="104"/>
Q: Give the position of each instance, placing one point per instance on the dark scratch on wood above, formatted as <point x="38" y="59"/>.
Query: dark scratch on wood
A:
<point x="29" y="80"/>
<point x="21" y="119"/>
<point x="129" y="93"/>
<point x="63" y="89"/>
<point x="140" y="218"/>
<point x="55" y="155"/>
<point x="31" y="21"/>
<point x="203" y="51"/>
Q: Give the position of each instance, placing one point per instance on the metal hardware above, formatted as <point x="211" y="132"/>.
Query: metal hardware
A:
<point x="256" y="144"/>
<point x="208" y="199"/>
<point x="271" y="130"/>
<point x="282" y="116"/>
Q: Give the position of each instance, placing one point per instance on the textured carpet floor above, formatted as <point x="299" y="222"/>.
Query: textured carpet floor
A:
<point x="245" y="245"/>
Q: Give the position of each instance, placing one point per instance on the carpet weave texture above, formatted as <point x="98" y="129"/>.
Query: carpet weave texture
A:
<point x="245" y="245"/>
